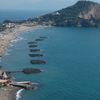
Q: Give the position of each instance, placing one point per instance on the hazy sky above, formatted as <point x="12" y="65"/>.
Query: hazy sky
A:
<point x="36" y="4"/>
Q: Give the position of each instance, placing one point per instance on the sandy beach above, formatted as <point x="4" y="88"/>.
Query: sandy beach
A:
<point x="9" y="93"/>
<point x="10" y="34"/>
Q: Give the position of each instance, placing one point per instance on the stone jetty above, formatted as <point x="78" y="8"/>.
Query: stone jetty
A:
<point x="35" y="50"/>
<point x="32" y="46"/>
<point x="38" y="62"/>
<point x="43" y="37"/>
<point x="36" y="55"/>
<point x="39" y="39"/>
<point x="32" y="42"/>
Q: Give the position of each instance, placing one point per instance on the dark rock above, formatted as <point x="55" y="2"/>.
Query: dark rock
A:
<point x="32" y="42"/>
<point x="32" y="46"/>
<point x="34" y="50"/>
<point x="31" y="70"/>
<point x="39" y="39"/>
<point x="38" y="62"/>
<point x="43" y="37"/>
<point x="36" y="55"/>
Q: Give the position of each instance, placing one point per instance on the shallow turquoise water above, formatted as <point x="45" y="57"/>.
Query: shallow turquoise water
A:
<point x="72" y="71"/>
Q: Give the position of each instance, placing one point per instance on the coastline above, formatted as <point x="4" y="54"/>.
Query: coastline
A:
<point x="6" y="37"/>
<point x="10" y="34"/>
<point x="8" y="93"/>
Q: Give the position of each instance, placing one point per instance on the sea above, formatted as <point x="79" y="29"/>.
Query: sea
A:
<point x="20" y="15"/>
<point x="72" y="69"/>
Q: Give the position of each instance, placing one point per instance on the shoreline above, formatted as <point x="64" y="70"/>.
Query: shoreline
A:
<point x="8" y="93"/>
<point x="7" y="36"/>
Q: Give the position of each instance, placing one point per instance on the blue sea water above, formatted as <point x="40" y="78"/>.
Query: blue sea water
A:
<point x="72" y="71"/>
<point x="19" y="15"/>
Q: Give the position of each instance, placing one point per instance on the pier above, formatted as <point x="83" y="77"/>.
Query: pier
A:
<point x="5" y="81"/>
<point x="25" y="85"/>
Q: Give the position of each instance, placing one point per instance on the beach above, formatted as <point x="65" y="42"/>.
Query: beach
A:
<point x="8" y="93"/>
<point x="6" y="37"/>
<point x="10" y="34"/>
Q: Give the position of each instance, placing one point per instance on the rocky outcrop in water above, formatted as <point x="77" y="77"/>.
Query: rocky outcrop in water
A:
<point x="32" y="42"/>
<point x="31" y="70"/>
<point x="35" y="50"/>
<point x="32" y="46"/>
<point x="38" y="62"/>
<point x="41" y="39"/>
<point x="36" y="55"/>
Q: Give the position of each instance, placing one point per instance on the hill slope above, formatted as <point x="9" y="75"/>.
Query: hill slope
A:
<point x="82" y="14"/>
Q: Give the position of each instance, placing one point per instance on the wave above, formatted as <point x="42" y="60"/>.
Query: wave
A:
<point x="12" y="43"/>
<point x="16" y="40"/>
<point x="18" y="94"/>
<point x="7" y="53"/>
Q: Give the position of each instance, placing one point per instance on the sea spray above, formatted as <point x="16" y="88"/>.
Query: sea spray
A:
<point x="18" y="94"/>
<point x="17" y="39"/>
<point x="8" y="50"/>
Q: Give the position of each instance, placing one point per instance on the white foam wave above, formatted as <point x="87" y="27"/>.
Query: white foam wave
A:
<point x="7" y="53"/>
<point x="11" y="45"/>
<point x="18" y="94"/>
<point x="17" y="39"/>
<point x="8" y="50"/>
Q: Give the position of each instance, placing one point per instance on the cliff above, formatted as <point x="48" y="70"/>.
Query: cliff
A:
<point x="81" y="14"/>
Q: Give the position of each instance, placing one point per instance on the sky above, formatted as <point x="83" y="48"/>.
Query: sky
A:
<point x="36" y="4"/>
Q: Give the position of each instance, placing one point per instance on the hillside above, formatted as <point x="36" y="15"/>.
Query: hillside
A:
<point x="81" y="14"/>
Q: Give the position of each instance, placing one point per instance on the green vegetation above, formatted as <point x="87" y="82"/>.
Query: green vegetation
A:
<point x="68" y="16"/>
